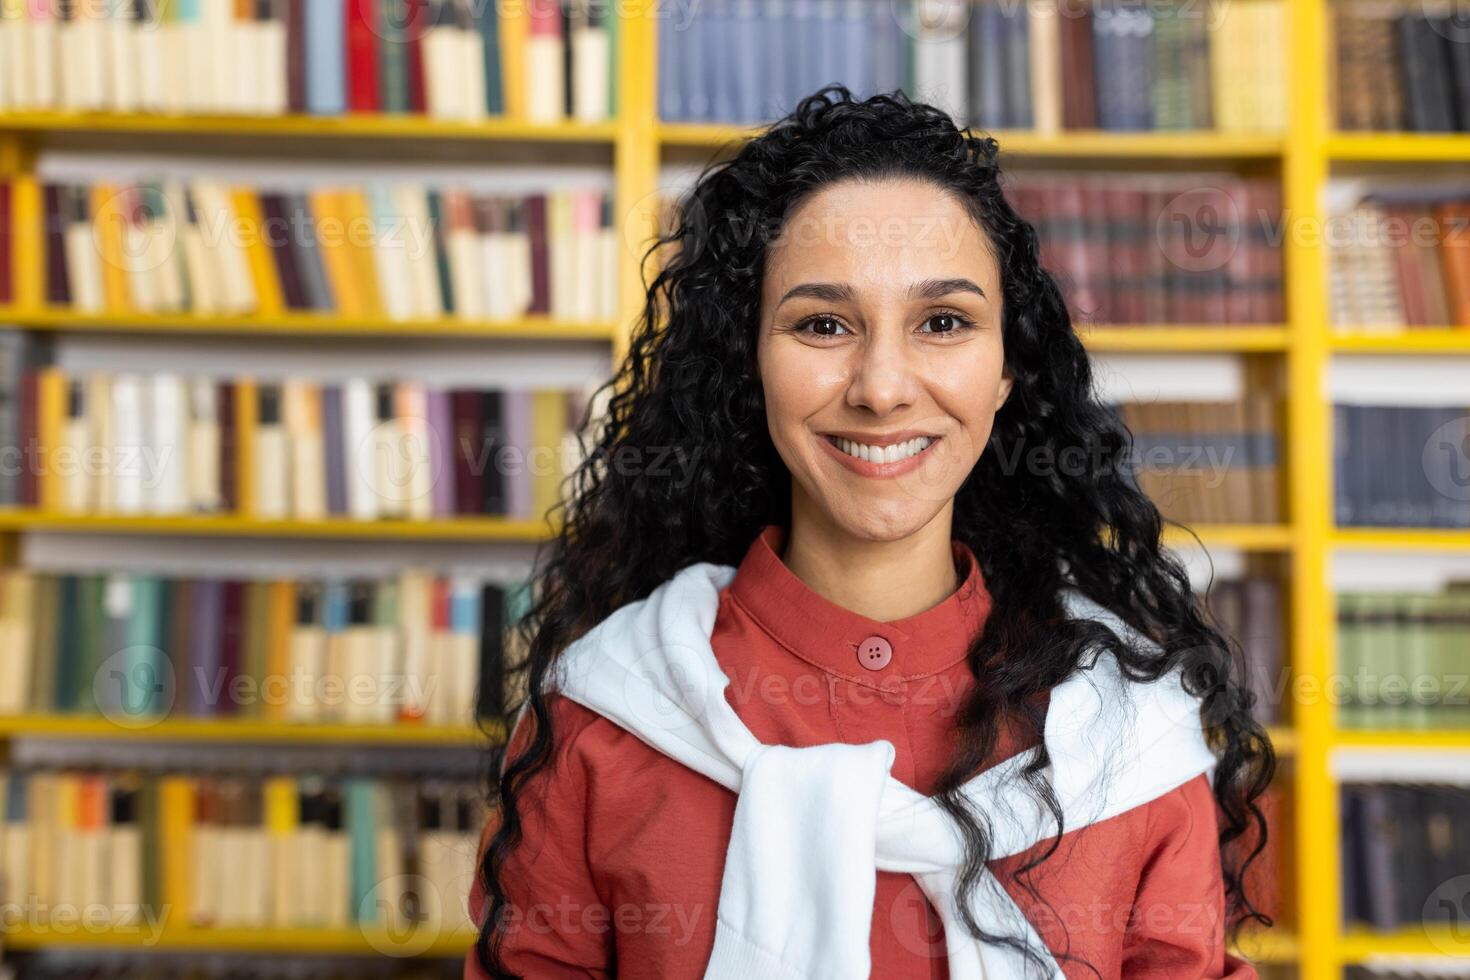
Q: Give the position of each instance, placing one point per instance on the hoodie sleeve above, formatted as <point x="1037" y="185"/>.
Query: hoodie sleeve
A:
<point x="1177" y="926"/>
<point x="554" y="910"/>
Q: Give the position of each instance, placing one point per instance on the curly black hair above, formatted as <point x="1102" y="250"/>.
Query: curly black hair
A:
<point x="690" y="382"/>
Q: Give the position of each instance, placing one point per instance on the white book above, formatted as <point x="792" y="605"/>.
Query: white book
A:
<point x="443" y="87"/>
<point x="211" y="60"/>
<point x="272" y="463"/>
<point x="128" y="444"/>
<point x="122" y="57"/>
<point x="124" y="872"/>
<point x="177" y="89"/>
<point x="414" y="422"/>
<point x="392" y="242"/>
<point x="43" y="48"/>
<point x="17" y="856"/>
<point x="308" y="460"/>
<point x="83" y="258"/>
<point x="415" y="629"/>
<point x="472" y="59"/>
<point x="245" y="96"/>
<point x="462" y="667"/>
<point x="361" y="464"/>
<point x="939" y="55"/>
<point x="307" y="660"/>
<point x="411" y="203"/>
<point x="149" y="55"/>
<point x="92" y="50"/>
<point x="272" y="40"/>
<point x="589" y="73"/>
<point x="76" y="436"/>
<point x="199" y="271"/>
<point x="545" y="90"/>
<point x="7" y="47"/>
<point x="214" y="214"/>
<point x="463" y="246"/>
<point x="166" y="474"/>
<point x="494" y="272"/>
<point x="15" y="54"/>
<point x="519" y="271"/>
<point x="68" y="48"/>
<point x="204" y="447"/>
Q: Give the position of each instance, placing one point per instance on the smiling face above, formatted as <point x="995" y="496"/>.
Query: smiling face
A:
<point x="880" y="354"/>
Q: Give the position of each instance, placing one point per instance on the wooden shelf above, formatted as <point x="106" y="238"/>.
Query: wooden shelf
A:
<point x="1185" y="337"/>
<point x="1399" y="147"/>
<point x="449" y="528"/>
<point x="529" y="328"/>
<point x="239" y="730"/>
<point x="365" y="942"/>
<point x="1401" y="539"/>
<point x="364" y="126"/>
<point x="1071" y="144"/>
<point x="1419" y="340"/>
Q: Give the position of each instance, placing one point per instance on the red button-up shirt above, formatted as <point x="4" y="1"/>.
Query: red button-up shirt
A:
<point x="619" y="869"/>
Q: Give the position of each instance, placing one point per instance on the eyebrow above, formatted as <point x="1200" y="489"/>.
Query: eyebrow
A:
<point x="840" y="292"/>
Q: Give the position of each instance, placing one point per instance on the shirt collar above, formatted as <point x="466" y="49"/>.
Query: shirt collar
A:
<point x="828" y="636"/>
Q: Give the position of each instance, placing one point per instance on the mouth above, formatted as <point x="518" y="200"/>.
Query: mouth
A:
<point x="882" y="452"/>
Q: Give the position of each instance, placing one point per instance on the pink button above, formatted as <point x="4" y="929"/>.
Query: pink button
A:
<point x="875" y="652"/>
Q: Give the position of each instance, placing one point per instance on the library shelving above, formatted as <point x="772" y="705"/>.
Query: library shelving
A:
<point x="639" y="144"/>
<point x="80" y="727"/>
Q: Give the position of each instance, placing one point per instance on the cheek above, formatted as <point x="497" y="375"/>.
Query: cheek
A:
<point x="798" y="382"/>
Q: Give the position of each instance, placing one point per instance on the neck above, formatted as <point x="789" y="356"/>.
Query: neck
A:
<point x="882" y="580"/>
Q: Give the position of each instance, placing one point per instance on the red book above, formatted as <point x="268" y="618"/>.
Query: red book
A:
<point x="540" y="273"/>
<point x="232" y="636"/>
<point x="295" y="55"/>
<point x="418" y="100"/>
<point x="470" y="457"/>
<point x="228" y="490"/>
<point x="362" y="57"/>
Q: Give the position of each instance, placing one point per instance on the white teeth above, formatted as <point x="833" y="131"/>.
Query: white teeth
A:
<point x="884" y="454"/>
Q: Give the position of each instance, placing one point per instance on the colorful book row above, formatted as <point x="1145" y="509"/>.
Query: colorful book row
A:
<point x="417" y="649"/>
<point x="1400" y="68"/>
<point x="1104" y="64"/>
<point x="155" y="851"/>
<point x="446" y="59"/>
<point x="400" y="252"/>
<point x="166" y="444"/>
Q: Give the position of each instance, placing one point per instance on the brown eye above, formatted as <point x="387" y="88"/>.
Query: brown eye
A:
<point x="824" y="326"/>
<point x="944" y="323"/>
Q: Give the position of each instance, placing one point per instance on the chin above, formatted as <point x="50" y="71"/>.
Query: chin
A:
<point x="882" y="521"/>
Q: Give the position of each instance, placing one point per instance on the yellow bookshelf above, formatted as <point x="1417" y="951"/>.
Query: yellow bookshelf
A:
<point x="81" y="727"/>
<point x="452" y="529"/>
<point x="299" y="324"/>
<point x="421" y="942"/>
<point x="638" y="143"/>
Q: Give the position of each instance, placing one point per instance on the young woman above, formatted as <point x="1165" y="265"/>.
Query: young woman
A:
<point x="858" y="652"/>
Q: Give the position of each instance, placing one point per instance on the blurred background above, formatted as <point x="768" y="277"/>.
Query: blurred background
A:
<point x="302" y="300"/>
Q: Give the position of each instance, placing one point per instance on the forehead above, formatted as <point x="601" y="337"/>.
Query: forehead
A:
<point x="880" y="234"/>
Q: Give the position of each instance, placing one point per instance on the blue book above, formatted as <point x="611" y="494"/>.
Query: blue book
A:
<point x="775" y="40"/>
<point x="361" y="818"/>
<point x="487" y="18"/>
<point x="748" y="54"/>
<point x="464" y="606"/>
<point x="692" y="69"/>
<point x="326" y="70"/>
<point x="719" y="66"/>
<point x="886" y="38"/>
<point x="334" y="607"/>
<point x="855" y="47"/>
<point x="209" y="626"/>
<point x="672" y="36"/>
<point x="144" y="684"/>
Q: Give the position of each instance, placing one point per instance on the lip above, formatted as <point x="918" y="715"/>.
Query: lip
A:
<point x="863" y="467"/>
<point x="880" y="439"/>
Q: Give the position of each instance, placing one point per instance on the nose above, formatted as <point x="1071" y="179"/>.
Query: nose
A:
<point x="884" y="379"/>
